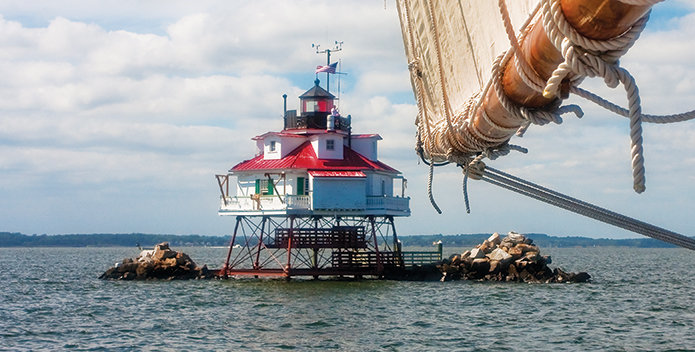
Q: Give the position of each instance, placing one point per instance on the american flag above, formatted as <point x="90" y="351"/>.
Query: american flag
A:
<point x="330" y="68"/>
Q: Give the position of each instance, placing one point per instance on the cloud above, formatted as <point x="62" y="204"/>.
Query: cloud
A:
<point x="115" y="117"/>
<point x="90" y="114"/>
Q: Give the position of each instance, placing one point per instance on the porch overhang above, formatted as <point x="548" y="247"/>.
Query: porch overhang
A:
<point x="323" y="173"/>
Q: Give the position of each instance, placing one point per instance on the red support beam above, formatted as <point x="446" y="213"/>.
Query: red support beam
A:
<point x="231" y="245"/>
<point x="289" y="248"/>
<point x="256" y="264"/>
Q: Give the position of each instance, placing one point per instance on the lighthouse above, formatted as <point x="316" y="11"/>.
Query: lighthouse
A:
<point x="315" y="200"/>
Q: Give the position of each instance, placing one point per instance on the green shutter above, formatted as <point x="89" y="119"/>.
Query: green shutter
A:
<point x="270" y="186"/>
<point x="258" y="186"/>
<point x="300" y="186"/>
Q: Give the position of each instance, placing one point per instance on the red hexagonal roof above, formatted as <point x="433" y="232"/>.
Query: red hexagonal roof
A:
<point x="304" y="157"/>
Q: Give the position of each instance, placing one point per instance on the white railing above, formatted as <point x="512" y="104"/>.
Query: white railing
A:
<point x="388" y="203"/>
<point x="251" y="204"/>
<point x="298" y="202"/>
<point x="237" y="203"/>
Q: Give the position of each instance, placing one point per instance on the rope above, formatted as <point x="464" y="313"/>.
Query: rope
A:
<point x="465" y="191"/>
<point x="659" y="119"/>
<point x="475" y="167"/>
<point x="546" y="195"/>
<point x="580" y="59"/>
<point x="429" y="189"/>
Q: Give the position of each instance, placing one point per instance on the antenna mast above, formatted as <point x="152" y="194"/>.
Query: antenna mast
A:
<point x="338" y="47"/>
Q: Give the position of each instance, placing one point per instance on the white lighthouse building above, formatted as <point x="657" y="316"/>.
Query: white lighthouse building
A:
<point x="315" y="166"/>
<point x="314" y="198"/>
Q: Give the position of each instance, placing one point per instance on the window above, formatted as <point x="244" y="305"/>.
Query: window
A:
<point x="302" y="186"/>
<point x="330" y="144"/>
<point x="272" y="146"/>
<point x="310" y="105"/>
<point x="264" y="186"/>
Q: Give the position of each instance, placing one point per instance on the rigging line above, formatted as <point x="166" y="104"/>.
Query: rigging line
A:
<point x="524" y="29"/>
<point x="555" y="197"/>
<point x="658" y="119"/>
<point x="413" y="67"/>
<point x="538" y="192"/>
<point x="520" y="59"/>
<point x="630" y="227"/>
<point x="604" y="63"/>
<point x="424" y="160"/>
<point x="470" y="46"/>
<point x="647" y="230"/>
<point x="564" y="203"/>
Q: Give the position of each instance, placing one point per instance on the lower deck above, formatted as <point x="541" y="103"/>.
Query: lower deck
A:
<point x="318" y="246"/>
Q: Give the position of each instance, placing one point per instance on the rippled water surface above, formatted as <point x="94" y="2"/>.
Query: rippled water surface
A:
<point x="639" y="300"/>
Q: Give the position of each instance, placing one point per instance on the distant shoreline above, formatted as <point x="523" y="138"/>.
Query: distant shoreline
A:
<point x="8" y="239"/>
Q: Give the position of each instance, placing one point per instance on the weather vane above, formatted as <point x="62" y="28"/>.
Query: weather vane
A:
<point x="328" y="69"/>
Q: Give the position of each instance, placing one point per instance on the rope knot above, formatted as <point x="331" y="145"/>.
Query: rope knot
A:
<point x="414" y="67"/>
<point x="475" y="169"/>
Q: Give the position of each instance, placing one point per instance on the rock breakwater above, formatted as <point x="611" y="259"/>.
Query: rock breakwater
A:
<point x="160" y="263"/>
<point x="514" y="258"/>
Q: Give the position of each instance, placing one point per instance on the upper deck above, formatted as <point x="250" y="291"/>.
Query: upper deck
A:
<point x="282" y="205"/>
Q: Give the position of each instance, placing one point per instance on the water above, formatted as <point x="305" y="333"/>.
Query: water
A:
<point x="639" y="300"/>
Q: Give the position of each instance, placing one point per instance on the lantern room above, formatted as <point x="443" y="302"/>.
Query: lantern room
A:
<point x="315" y="105"/>
<point x="316" y="109"/>
<point x="316" y="101"/>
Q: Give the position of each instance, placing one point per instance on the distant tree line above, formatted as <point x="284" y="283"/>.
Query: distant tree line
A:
<point x="8" y="239"/>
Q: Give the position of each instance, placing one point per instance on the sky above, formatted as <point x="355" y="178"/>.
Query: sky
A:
<point x="115" y="117"/>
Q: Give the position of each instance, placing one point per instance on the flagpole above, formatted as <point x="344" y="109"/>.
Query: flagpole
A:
<point x="338" y="72"/>
<point x="328" y="74"/>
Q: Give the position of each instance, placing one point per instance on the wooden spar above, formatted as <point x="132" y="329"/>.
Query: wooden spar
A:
<point x="595" y="19"/>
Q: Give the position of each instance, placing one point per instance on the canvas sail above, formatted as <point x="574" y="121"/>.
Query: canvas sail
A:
<point x="454" y="43"/>
<point x="453" y="49"/>
<point x="469" y="34"/>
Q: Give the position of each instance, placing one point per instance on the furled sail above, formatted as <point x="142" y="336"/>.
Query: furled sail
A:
<point x="483" y="70"/>
<point x="460" y="39"/>
<point x="451" y="46"/>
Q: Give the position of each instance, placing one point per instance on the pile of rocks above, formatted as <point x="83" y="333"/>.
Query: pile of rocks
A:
<point x="514" y="258"/>
<point x="159" y="263"/>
